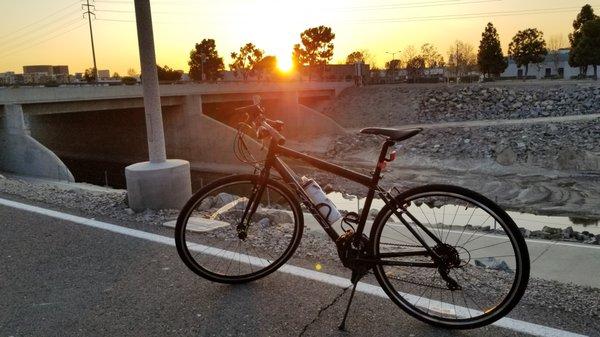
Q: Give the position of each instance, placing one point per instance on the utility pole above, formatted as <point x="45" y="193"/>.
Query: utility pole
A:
<point x="393" y="53"/>
<point x="457" y="62"/>
<point x="158" y="183"/>
<point x="202" y="59"/>
<point x="89" y="11"/>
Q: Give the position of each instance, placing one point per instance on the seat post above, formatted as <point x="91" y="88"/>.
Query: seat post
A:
<point x="381" y="160"/>
<point x="374" y="182"/>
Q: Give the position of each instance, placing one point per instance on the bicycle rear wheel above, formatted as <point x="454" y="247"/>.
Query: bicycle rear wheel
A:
<point x="208" y="237"/>
<point x="483" y="249"/>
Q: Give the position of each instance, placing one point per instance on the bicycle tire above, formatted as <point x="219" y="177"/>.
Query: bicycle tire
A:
<point x="184" y="216"/>
<point x="521" y="272"/>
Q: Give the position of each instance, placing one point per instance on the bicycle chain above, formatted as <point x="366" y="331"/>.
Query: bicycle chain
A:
<point x="404" y="280"/>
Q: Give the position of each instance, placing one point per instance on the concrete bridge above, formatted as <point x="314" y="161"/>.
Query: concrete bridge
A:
<point x="43" y="130"/>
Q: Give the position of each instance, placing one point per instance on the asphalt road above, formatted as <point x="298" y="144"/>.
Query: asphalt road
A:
<point x="60" y="278"/>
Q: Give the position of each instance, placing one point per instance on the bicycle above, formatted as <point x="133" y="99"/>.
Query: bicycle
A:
<point x="431" y="248"/>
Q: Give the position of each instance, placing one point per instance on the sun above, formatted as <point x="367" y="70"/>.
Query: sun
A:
<point x="284" y="64"/>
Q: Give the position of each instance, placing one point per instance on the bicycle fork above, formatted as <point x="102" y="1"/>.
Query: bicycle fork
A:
<point x="250" y="209"/>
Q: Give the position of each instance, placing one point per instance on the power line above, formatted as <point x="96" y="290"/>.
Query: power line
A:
<point x="470" y="15"/>
<point x="39" y="20"/>
<point x="427" y="18"/>
<point x="41" y="42"/>
<point x="37" y="29"/>
<point x="41" y="32"/>
<point x="46" y="33"/>
<point x="416" y="5"/>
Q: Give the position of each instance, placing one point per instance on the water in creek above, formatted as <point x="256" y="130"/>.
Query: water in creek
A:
<point x="525" y="220"/>
<point x="112" y="174"/>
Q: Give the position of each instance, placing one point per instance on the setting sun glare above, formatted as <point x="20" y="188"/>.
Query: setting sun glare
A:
<point x="284" y="64"/>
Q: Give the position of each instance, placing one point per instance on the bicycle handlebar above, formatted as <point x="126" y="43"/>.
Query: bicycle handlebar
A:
<point x="275" y="135"/>
<point x="272" y="127"/>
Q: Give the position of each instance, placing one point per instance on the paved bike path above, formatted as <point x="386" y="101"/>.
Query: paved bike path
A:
<point x="567" y="262"/>
<point x="62" y="278"/>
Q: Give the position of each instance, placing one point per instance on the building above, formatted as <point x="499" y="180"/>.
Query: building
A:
<point x="8" y="78"/>
<point x="38" y="69"/>
<point x="42" y="74"/>
<point x="339" y="72"/>
<point x="104" y="74"/>
<point x="555" y="65"/>
<point x="60" y="70"/>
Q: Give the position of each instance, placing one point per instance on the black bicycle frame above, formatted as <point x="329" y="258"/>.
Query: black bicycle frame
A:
<point x="371" y="182"/>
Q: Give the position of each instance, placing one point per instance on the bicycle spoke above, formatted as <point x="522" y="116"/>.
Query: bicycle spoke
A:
<point x="484" y="284"/>
<point x="492" y="245"/>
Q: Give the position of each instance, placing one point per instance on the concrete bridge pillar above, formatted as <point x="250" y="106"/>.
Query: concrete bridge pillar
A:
<point x="21" y="154"/>
<point x="158" y="183"/>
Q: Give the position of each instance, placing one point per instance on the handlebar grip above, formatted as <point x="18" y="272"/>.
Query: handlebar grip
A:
<point x="248" y="107"/>
<point x="276" y="124"/>
<point x="275" y="135"/>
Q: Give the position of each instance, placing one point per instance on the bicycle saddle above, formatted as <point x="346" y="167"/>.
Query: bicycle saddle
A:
<point x="392" y="134"/>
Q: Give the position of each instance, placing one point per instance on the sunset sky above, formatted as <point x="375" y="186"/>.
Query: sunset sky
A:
<point x="54" y="32"/>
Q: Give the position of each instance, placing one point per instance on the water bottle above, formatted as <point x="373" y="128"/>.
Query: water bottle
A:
<point x="317" y="196"/>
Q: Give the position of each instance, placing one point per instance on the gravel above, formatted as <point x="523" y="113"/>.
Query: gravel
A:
<point x="398" y="105"/>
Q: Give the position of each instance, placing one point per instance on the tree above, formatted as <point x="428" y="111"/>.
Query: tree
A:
<point x="266" y="68"/>
<point x="555" y="44"/>
<point x="391" y="67"/>
<point x="415" y="67"/>
<point x="355" y="57"/>
<point x="204" y="58"/>
<point x="461" y="59"/>
<point x="89" y="75"/>
<point x="316" y="47"/>
<point x="116" y="75"/>
<point x="527" y="46"/>
<point x="362" y="55"/>
<point x="167" y="74"/>
<point x="490" y="58"/>
<point x="244" y="61"/>
<point x="588" y="46"/>
<point x="131" y="72"/>
<point x="431" y="57"/>
<point x="586" y="14"/>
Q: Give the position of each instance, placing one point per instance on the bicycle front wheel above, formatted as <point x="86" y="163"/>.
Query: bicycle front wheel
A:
<point x="482" y="250"/>
<point x="208" y="235"/>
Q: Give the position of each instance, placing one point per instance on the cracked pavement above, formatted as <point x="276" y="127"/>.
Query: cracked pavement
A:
<point x="58" y="278"/>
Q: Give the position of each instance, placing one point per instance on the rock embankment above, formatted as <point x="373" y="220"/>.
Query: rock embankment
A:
<point x="401" y="105"/>
<point x="480" y="103"/>
<point x="571" y="146"/>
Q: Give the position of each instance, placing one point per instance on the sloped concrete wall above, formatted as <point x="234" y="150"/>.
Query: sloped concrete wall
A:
<point x="22" y="154"/>
<point x="301" y="122"/>
<point x="206" y="143"/>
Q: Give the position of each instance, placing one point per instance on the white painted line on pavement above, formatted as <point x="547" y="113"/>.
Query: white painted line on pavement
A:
<point x="508" y="323"/>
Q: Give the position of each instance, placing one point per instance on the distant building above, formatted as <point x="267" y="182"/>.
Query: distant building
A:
<point x="104" y="74"/>
<point x="60" y="70"/>
<point x="555" y="65"/>
<point x="38" y="69"/>
<point x="338" y="72"/>
<point x="8" y="78"/>
<point x="41" y="74"/>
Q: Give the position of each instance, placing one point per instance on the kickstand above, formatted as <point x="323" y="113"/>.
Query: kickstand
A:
<point x="343" y="324"/>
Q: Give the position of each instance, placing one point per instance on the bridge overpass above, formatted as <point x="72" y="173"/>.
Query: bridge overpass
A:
<point x="43" y="128"/>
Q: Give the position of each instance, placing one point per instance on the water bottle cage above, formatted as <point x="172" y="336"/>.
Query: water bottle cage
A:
<point x="318" y="207"/>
